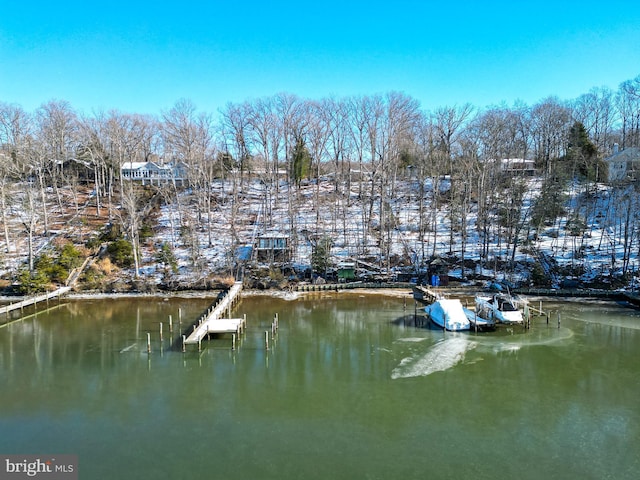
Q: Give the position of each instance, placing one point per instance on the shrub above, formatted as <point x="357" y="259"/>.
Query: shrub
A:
<point x="70" y="257"/>
<point x="32" y="282"/>
<point x="121" y="253"/>
<point x="166" y="257"/>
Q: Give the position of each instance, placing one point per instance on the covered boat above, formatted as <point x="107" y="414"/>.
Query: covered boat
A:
<point x="448" y="314"/>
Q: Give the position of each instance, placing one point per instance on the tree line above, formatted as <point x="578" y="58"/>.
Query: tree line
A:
<point x="285" y="139"/>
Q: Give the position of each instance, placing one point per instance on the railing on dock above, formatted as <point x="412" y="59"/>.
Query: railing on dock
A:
<point x="212" y="322"/>
<point x="34" y="300"/>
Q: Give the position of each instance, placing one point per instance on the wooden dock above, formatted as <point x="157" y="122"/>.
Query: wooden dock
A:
<point x="425" y="295"/>
<point x="212" y="320"/>
<point x="34" y="300"/>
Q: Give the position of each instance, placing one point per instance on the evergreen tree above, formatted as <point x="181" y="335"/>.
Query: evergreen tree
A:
<point x="320" y="257"/>
<point x="301" y="162"/>
<point x="582" y="153"/>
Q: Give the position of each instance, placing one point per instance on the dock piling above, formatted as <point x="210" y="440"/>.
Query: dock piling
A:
<point x="148" y="342"/>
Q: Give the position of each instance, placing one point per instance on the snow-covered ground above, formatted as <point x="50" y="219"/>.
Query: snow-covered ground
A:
<point x="609" y="219"/>
<point x="316" y="210"/>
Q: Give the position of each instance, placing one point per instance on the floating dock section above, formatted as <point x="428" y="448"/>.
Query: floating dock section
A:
<point x="212" y="322"/>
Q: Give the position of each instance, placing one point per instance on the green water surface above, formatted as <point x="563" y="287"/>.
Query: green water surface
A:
<point x="350" y="388"/>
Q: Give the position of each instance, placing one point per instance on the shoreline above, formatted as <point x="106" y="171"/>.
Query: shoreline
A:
<point x="395" y="292"/>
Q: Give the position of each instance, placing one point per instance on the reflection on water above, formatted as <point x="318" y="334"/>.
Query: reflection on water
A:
<point x="351" y="387"/>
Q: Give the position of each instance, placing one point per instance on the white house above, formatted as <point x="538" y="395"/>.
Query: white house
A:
<point x="623" y="165"/>
<point x="151" y="172"/>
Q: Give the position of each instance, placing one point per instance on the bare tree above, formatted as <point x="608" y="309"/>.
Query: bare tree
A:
<point x="15" y="134"/>
<point x="188" y="138"/>
<point x="628" y="105"/>
<point x="29" y="217"/>
<point x="92" y="150"/>
<point x="550" y="122"/>
<point x="449" y="123"/>
<point x="57" y="125"/>
<point x="235" y="135"/>
<point x="595" y="110"/>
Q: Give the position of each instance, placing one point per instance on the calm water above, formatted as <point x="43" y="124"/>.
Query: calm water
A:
<point x="350" y="388"/>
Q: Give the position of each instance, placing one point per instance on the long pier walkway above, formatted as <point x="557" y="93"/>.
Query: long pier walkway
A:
<point x="212" y="322"/>
<point x="34" y="300"/>
<point x="59" y="292"/>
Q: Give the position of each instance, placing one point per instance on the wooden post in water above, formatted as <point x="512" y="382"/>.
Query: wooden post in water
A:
<point x="170" y="324"/>
<point x="233" y="341"/>
<point x="148" y="342"/>
<point x="184" y="345"/>
<point x="266" y="340"/>
<point x="160" y="331"/>
<point x="558" y="319"/>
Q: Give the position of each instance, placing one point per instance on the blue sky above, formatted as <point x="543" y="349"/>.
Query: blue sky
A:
<point x="141" y="57"/>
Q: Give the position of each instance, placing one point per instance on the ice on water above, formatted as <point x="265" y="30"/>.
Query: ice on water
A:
<point x="441" y="356"/>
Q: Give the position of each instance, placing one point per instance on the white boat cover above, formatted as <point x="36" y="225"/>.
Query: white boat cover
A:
<point x="449" y="314"/>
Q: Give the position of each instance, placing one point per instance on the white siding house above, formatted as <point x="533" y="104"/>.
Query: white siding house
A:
<point x="623" y="165"/>
<point x="151" y="172"/>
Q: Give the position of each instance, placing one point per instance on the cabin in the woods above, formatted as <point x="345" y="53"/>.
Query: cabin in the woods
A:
<point x="272" y="248"/>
